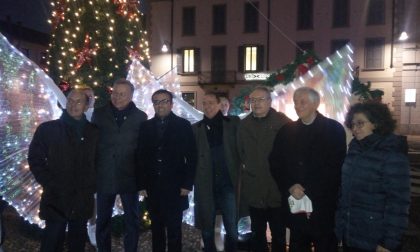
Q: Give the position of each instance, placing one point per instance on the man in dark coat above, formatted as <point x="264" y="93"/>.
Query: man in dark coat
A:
<point x="167" y="158"/>
<point x="306" y="160"/>
<point x="62" y="159"/>
<point x="216" y="180"/>
<point x="119" y="125"/>
<point x="259" y="192"/>
<point x="3" y="205"/>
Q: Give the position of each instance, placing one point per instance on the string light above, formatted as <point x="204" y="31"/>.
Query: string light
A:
<point x="26" y="100"/>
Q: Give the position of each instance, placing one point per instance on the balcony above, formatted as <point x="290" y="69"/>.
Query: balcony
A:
<point x="216" y="77"/>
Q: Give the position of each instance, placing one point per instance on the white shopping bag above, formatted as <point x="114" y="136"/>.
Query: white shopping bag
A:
<point x="303" y="205"/>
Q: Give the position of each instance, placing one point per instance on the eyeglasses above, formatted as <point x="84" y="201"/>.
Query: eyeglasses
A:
<point x="258" y="100"/>
<point x="358" y="124"/>
<point x="161" y="102"/>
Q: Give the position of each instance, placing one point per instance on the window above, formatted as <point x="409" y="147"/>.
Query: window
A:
<point x="376" y="12"/>
<point x="305" y="46"/>
<point x="189" y="60"/>
<point x="219" y="19"/>
<point x="218" y="64"/>
<point x="341" y="13"/>
<point x="188" y="21"/>
<point x="251" y="17"/>
<point x="374" y="53"/>
<point x="337" y="44"/>
<point x="251" y="58"/>
<point x="305" y="14"/>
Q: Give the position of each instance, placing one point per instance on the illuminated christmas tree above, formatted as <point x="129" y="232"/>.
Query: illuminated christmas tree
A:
<point x="92" y="41"/>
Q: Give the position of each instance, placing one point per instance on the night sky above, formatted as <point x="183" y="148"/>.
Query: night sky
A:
<point x="31" y="13"/>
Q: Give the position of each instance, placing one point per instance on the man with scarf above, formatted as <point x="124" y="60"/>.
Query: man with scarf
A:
<point x="62" y="159"/>
<point x="216" y="179"/>
<point x="119" y="126"/>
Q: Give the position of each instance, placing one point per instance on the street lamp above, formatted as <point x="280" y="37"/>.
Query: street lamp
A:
<point x="165" y="47"/>
<point x="403" y="36"/>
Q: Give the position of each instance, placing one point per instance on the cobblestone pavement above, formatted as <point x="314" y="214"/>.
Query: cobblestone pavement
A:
<point x="23" y="238"/>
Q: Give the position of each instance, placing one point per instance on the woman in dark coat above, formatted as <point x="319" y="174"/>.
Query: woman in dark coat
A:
<point x="375" y="193"/>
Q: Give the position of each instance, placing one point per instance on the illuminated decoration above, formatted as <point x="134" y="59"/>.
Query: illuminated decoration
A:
<point x="127" y="7"/>
<point x="90" y="41"/>
<point x="28" y="97"/>
<point x="299" y="66"/>
<point x="57" y="14"/>
<point x="332" y="78"/>
<point x="146" y="83"/>
<point x="85" y="54"/>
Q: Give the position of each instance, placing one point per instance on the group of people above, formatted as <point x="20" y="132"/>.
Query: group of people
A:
<point x="251" y="167"/>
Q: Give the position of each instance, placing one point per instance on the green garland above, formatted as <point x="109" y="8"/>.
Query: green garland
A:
<point x="363" y="90"/>
<point x="285" y="75"/>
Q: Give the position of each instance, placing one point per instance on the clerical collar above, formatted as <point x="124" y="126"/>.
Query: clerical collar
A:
<point x="312" y="120"/>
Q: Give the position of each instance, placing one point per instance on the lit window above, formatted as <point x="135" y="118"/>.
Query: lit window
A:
<point x="188" y="61"/>
<point x="250" y="58"/>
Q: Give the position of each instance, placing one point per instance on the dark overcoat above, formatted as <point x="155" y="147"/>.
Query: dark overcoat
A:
<point x="318" y="171"/>
<point x="204" y="205"/>
<point x="375" y="195"/>
<point x="65" y="168"/>
<point x="179" y="158"/>
<point x="116" y="161"/>
<point x="255" y="141"/>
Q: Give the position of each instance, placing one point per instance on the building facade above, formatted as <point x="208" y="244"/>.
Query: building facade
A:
<point x="32" y="43"/>
<point x="214" y="44"/>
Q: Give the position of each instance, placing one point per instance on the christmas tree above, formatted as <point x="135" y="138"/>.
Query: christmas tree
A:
<point x="92" y="41"/>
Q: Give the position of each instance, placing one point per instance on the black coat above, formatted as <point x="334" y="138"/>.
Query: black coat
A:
<point x="177" y="164"/>
<point x="318" y="171"/>
<point x="203" y="185"/>
<point x="65" y="168"/>
<point x="117" y="148"/>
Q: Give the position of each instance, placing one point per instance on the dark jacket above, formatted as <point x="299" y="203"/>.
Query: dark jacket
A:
<point x="65" y="168"/>
<point x="203" y="185"/>
<point x="310" y="155"/>
<point x="255" y="140"/>
<point x="375" y="193"/>
<point x="175" y="169"/>
<point x="116" y="160"/>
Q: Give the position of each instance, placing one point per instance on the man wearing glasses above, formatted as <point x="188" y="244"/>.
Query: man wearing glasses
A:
<point x="260" y="196"/>
<point x="167" y="158"/>
<point x="119" y="125"/>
